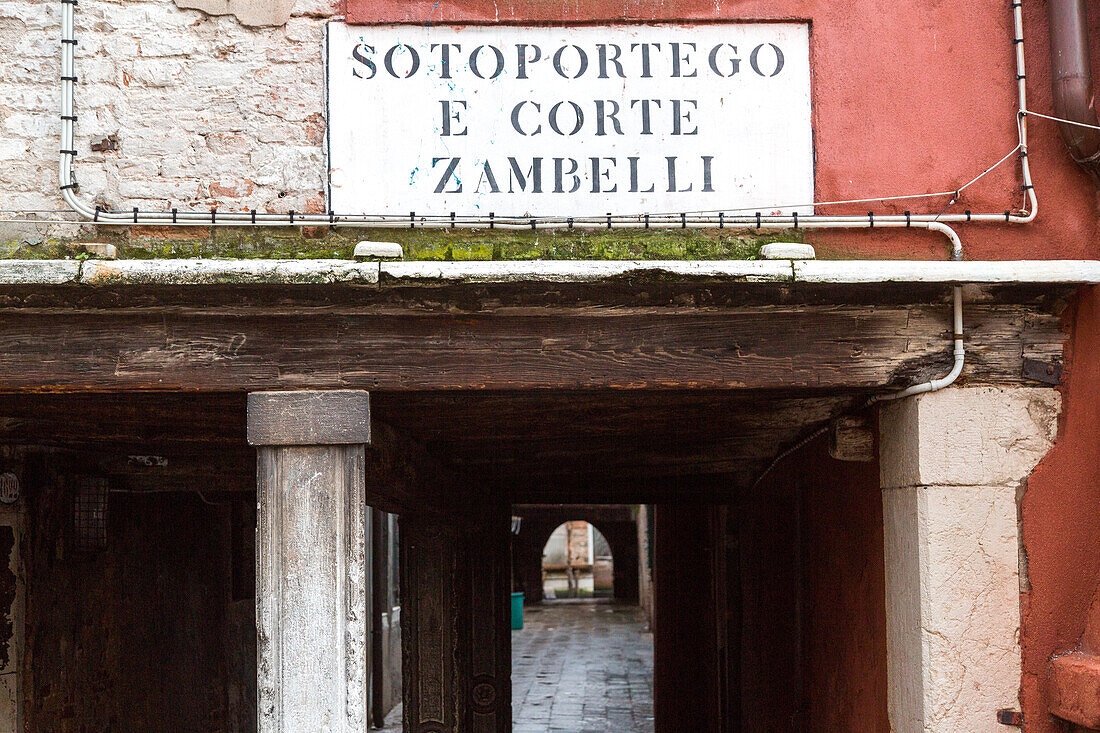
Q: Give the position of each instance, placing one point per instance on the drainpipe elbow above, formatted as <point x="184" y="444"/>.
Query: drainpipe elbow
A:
<point x="1071" y="79"/>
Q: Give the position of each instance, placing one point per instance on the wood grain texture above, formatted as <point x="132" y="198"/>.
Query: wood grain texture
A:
<point x="775" y="347"/>
<point x="455" y="634"/>
<point x="312" y="417"/>
<point x="540" y="402"/>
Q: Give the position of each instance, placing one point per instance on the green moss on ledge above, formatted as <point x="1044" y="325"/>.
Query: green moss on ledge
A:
<point x="418" y="244"/>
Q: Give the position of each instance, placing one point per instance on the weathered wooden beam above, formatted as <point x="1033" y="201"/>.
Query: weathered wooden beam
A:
<point x="403" y="476"/>
<point x="207" y="472"/>
<point x="242" y="349"/>
<point x="558" y="513"/>
<point x="632" y="489"/>
<point x="135" y="422"/>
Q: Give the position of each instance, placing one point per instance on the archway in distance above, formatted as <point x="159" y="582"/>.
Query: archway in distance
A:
<point x="577" y="562"/>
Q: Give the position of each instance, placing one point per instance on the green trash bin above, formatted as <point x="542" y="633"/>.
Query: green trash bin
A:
<point x="517" y="611"/>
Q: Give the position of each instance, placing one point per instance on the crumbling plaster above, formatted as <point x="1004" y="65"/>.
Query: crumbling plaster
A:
<point x="951" y="464"/>
<point x="248" y="12"/>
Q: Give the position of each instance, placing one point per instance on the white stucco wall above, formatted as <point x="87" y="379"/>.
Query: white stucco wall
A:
<point x="207" y="111"/>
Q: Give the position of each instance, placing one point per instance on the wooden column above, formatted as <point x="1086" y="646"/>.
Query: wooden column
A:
<point x="623" y="539"/>
<point x="455" y="631"/>
<point x="527" y="560"/>
<point x="685" y="654"/>
<point x="13" y="592"/>
<point x="310" y="559"/>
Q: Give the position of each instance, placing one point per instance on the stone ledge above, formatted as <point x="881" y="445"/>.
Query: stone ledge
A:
<point x="328" y="271"/>
<point x="967" y="436"/>
<point x="39" y="272"/>
<point x="315" y="417"/>
<point x="582" y="270"/>
<point x="223" y="272"/>
<point x="950" y="272"/>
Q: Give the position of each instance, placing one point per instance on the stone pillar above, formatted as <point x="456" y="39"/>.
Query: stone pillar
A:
<point x="455" y="630"/>
<point x="953" y="464"/>
<point x="310" y="560"/>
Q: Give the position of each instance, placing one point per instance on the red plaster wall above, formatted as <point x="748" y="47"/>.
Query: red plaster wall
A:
<point x="909" y="97"/>
<point x="1061" y="525"/>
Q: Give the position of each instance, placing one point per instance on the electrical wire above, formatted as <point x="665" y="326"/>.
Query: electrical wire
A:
<point x="933" y="385"/>
<point x="175" y="217"/>
<point x="1059" y="119"/>
<point x="670" y="214"/>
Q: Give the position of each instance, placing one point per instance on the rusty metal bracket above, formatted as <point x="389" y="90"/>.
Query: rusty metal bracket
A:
<point x="1008" y="716"/>
<point x="1041" y="370"/>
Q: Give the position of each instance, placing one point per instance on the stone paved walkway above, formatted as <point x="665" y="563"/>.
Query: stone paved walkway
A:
<point x="580" y="668"/>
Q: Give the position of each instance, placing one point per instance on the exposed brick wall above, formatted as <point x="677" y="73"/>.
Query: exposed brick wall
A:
<point x="207" y="112"/>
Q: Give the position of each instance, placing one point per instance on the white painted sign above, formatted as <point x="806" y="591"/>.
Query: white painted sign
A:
<point x="577" y="121"/>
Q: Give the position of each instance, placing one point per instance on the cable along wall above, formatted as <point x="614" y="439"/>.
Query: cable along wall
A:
<point x="697" y="219"/>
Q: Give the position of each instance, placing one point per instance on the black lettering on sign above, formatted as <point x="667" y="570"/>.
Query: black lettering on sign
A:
<point x="582" y="58"/>
<point x="515" y="118"/>
<point x="599" y="172"/>
<point x="497" y="55"/>
<point x="448" y="174"/>
<point x="358" y="56"/>
<point x="671" y="160"/>
<point x="613" y="59"/>
<point x="678" y="116"/>
<point x="560" y="173"/>
<point x="603" y="115"/>
<point x="707" y="187"/>
<point x="445" y="57"/>
<point x="487" y="177"/>
<point x="534" y="175"/>
<point x="522" y="59"/>
<point x="450" y="114"/>
<point x="644" y="49"/>
<point x="414" y="60"/>
<point x="578" y="118"/>
<point x="734" y="61"/>
<point x="646" y="129"/>
<point x="633" y="160"/>
<point x="754" y="58"/>
<point x="678" y="58"/>
<point x="571" y="61"/>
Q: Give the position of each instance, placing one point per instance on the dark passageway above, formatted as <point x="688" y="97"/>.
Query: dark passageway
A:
<point x="579" y="667"/>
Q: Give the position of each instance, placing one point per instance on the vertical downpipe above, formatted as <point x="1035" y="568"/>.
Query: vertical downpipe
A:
<point x="1071" y="77"/>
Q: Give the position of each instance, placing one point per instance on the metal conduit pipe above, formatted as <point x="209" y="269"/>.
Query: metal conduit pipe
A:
<point x="933" y="385"/>
<point x="933" y="222"/>
<point x="956" y="369"/>
<point x="1071" y="78"/>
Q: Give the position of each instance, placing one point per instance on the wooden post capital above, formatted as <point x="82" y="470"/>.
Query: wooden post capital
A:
<point x="315" y="417"/>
